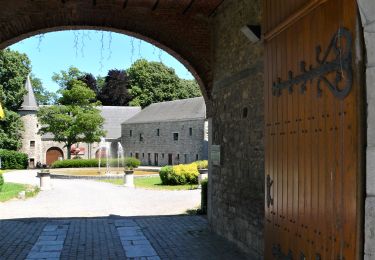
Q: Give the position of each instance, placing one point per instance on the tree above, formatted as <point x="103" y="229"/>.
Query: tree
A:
<point x="67" y="79"/>
<point x="14" y="68"/>
<point x="115" y="89"/>
<point x="11" y="128"/>
<point x="189" y="88"/>
<point x="43" y="96"/>
<point x="75" y="119"/>
<point x="152" y="82"/>
<point x="91" y="83"/>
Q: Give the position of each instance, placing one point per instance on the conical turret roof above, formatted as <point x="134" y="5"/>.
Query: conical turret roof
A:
<point x="29" y="100"/>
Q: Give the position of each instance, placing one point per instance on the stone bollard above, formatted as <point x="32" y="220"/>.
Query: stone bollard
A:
<point x="45" y="180"/>
<point x="203" y="174"/>
<point x="129" y="178"/>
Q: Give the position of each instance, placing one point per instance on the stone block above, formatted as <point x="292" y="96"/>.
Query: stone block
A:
<point x="139" y="251"/>
<point x="370" y="171"/>
<point x="370" y="49"/>
<point x="370" y="228"/>
<point x="367" y="10"/>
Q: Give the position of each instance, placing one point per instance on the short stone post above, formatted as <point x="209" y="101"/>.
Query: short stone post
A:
<point x="45" y="180"/>
<point x="129" y="178"/>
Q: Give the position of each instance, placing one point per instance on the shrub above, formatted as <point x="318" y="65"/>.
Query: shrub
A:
<point x="77" y="163"/>
<point x="202" y="164"/>
<point x="86" y="163"/>
<point x="13" y="160"/>
<point x="204" y="196"/>
<point x="1" y="182"/>
<point x="131" y="163"/>
<point x="165" y="173"/>
<point x="179" y="174"/>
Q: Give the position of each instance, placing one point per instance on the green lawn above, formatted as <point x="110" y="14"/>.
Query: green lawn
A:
<point x="11" y="190"/>
<point x="151" y="183"/>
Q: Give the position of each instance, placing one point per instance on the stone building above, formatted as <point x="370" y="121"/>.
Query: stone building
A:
<point x="168" y="133"/>
<point x="42" y="148"/>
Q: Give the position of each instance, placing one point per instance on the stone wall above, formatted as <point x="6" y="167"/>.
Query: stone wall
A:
<point x="152" y="144"/>
<point x="367" y="10"/>
<point x="237" y="186"/>
<point x="29" y="135"/>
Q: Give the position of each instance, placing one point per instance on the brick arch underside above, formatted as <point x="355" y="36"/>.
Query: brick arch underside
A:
<point x="186" y="37"/>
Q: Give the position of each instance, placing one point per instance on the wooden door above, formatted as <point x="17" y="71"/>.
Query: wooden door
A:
<point x="313" y="130"/>
<point x="53" y="154"/>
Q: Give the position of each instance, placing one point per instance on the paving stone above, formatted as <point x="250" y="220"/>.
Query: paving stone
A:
<point x="139" y="251"/>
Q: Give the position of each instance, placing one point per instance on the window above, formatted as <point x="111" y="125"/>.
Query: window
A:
<point x="32" y="143"/>
<point x="175" y="136"/>
<point x="158" y="132"/>
<point x="131" y="132"/>
<point x="131" y="154"/>
<point x="196" y="157"/>
<point x="178" y="157"/>
<point x="162" y="155"/>
<point x="186" y="158"/>
<point x="143" y="155"/>
<point x="190" y="131"/>
<point x="141" y="137"/>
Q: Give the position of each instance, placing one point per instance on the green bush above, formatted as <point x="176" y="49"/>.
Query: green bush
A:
<point x="86" y="163"/>
<point x="204" y="196"/>
<point x="165" y="173"/>
<point x="202" y="164"/>
<point x="77" y="163"/>
<point x="131" y="163"/>
<point x="1" y="182"/>
<point x="179" y="174"/>
<point x="13" y="160"/>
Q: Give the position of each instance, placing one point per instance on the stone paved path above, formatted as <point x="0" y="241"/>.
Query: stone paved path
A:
<point x="82" y="198"/>
<point x="91" y="220"/>
<point x="138" y="238"/>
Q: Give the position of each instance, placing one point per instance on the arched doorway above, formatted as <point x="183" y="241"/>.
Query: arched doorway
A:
<point x="53" y="154"/>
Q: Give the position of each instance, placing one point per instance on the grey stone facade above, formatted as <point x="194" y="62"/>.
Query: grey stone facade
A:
<point x="184" y="150"/>
<point x="367" y="10"/>
<point x="151" y="135"/>
<point x="236" y="190"/>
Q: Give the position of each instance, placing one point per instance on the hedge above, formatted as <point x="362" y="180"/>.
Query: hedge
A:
<point x="204" y="196"/>
<point x="1" y="181"/>
<point x="13" y="160"/>
<point x="179" y="174"/>
<point x="88" y="163"/>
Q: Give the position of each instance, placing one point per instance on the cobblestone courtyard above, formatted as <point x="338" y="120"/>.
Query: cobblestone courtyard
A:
<point x="66" y="223"/>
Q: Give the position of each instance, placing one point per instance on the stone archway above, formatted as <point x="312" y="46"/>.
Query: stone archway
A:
<point x="179" y="27"/>
<point x="53" y="154"/>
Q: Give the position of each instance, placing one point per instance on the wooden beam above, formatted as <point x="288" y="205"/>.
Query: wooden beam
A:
<point x="125" y="4"/>
<point x="214" y="10"/>
<point x="188" y="7"/>
<point x="155" y="5"/>
<point x="293" y="18"/>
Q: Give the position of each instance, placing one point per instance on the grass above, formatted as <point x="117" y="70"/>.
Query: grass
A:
<point x="152" y="183"/>
<point x="11" y="190"/>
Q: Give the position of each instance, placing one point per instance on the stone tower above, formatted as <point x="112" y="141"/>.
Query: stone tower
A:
<point x="31" y="141"/>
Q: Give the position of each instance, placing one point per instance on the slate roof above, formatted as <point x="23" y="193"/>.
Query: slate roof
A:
<point x="29" y="100"/>
<point x="178" y="110"/>
<point x="113" y="117"/>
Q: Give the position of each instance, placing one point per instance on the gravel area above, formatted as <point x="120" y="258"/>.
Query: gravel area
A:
<point x="82" y="198"/>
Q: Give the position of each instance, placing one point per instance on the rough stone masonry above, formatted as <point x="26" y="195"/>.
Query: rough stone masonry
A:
<point x="237" y="190"/>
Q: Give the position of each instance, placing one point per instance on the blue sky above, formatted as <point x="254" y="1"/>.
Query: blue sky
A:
<point x="85" y="49"/>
